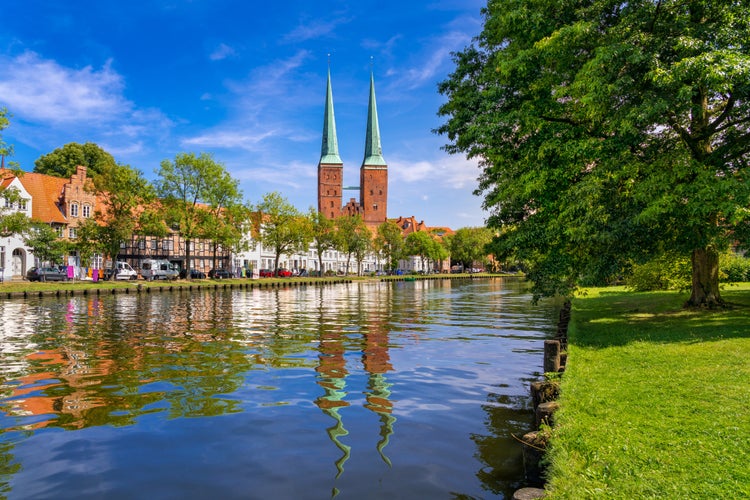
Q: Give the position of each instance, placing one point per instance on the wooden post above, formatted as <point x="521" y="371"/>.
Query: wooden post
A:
<point x="551" y="356"/>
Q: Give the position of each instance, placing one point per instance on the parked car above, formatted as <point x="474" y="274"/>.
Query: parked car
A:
<point x="194" y="274"/>
<point x="218" y="274"/>
<point x="283" y="273"/>
<point x="47" y="274"/>
<point x="265" y="273"/>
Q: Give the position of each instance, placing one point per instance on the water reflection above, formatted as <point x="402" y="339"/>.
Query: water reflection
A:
<point x="446" y="362"/>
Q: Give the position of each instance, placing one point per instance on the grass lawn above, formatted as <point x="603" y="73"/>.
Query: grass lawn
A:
<point x="655" y="399"/>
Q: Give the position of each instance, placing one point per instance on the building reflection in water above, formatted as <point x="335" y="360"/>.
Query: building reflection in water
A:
<point x="332" y="370"/>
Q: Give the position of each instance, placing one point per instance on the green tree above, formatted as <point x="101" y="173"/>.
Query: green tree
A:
<point x="282" y="226"/>
<point x="188" y="186"/>
<point x="439" y="251"/>
<point x="420" y="244"/>
<point x="389" y="243"/>
<point x="122" y="193"/>
<point x="12" y="221"/>
<point x="324" y="235"/>
<point x="608" y="131"/>
<point x="62" y="162"/>
<point x="44" y="243"/>
<point x="354" y="239"/>
<point x="6" y="150"/>
<point x="469" y="244"/>
<point x="227" y="219"/>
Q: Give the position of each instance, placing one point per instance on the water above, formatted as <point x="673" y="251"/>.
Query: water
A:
<point x="364" y="390"/>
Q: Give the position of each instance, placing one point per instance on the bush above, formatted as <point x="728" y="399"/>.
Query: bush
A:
<point x="734" y="268"/>
<point x="667" y="272"/>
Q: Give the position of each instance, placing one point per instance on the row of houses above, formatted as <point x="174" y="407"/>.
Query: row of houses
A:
<point x="65" y="203"/>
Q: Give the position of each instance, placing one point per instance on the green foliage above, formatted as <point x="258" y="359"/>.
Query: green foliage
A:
<point x="62" y="162"/>
<point x="389" y="243"/>
<point x="282" y="226"/>
<point x="354" y="239"/>
<point x="735" y="268"/>
<point x="469" y="244"/>
<point x="45" y="244"/>
<point x="667" y="272"/>
<point x="323" y="232"/>
<point x="11" y="221"/>
<point x="606" y="132"/>
<point x="6" y="150"/>
<point x="122" y="191"/>
<point x="199" y="195"/>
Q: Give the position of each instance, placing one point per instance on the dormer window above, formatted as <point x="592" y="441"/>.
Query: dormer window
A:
<point x="74" y="209"/>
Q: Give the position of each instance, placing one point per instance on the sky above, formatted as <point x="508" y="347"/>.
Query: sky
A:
<point x="245" y="81"/>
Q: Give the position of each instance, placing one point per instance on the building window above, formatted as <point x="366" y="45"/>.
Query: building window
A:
<point x="167" y="245"/>
<point x="74" y="209"/>
<point x="72" y="233"/>
<point x="154" y="244"/>
<point x="59" y="231"/>
<point x="23" y="205"/>
<point x="87" y="211"/>
<point x="141" y="244"/>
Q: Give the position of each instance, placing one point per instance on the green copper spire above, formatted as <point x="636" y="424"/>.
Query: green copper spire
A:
<point x="329" y="151"/>
<point x="373" y="151"/>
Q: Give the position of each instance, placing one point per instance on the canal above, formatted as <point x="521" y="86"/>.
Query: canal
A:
<point x="360" y="390"/>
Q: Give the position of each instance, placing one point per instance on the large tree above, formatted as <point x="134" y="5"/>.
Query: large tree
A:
<point x="324" y="234"/>
<point x="63" y="161"/>
<point x="389" y="243"/>
<point x="189" y="188"/>
<point x="282" y="227"/>
<point x="354" y="239"/>
<point x="608" y="132"/>
<point x="468" y="245"/>
<point x="124" y="195"/>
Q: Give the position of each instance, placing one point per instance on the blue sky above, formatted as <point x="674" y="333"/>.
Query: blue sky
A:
<point x="244" y="81"/>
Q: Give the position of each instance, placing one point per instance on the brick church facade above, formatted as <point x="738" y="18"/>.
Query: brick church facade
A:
<point x="373" y="177"/>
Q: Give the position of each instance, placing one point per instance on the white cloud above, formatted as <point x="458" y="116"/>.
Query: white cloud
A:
<point x="311" y="30"/>
<point x="38" y="89"/>
<point x="452" y="172"/>
<point x="222" y="52"/>
<point x="242" y="139"/>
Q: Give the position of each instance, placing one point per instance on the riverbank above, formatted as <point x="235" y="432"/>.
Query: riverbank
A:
<point x="25" y="289"/>
<point x="654" y="399"/>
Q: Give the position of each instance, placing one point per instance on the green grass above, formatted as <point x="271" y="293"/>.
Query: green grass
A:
<point x="655" y="399"/>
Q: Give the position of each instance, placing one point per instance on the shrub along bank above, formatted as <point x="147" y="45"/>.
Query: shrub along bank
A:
<point x="655" y="399"/>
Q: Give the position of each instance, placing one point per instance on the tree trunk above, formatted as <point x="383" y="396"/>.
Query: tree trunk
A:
<point x="705" y="288"/>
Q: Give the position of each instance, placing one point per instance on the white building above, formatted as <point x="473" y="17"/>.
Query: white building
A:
<point x="259" y="257"/>
<point x="13" y="252"/>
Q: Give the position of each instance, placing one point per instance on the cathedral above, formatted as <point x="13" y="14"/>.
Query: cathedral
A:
<point x="373" y="174"/>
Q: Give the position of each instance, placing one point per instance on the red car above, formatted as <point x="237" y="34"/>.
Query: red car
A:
<point x="283" y="273"/>
<point x="265" y="273"/>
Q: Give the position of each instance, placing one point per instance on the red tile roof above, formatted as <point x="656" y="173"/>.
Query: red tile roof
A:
<point x="45" y="193"/>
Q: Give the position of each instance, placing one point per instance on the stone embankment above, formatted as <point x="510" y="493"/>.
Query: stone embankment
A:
<point x="544" y="394"/>
<point x="106" y="288"/>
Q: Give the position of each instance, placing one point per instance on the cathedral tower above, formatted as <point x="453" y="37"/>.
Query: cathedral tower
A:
<point x="373" y="175"/>
<point x="330" y="166"/>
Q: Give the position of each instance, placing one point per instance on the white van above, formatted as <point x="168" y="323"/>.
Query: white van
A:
<point x="124" y="272"/>
<point x="158" y="269"/>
